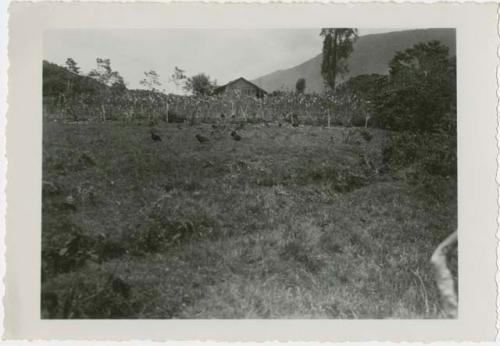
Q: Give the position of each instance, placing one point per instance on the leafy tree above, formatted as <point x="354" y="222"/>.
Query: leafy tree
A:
<point x="421" y="93"/>
<point x="200" y="84"/>
<point x="104" y="74"/>
<point x="337" y="46"/>
<point x="419" y="102"/>
<point x="178" y="77"/>
<point x="72" y="66"/>
<point x="119" y="87"/>
<point x="365" y="86"/>
<point x="151" y="81"/>
<point x="359" y="94"/>
<point x="300" y="86"/>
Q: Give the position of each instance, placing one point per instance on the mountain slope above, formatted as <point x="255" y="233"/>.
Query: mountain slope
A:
<point x="371" y="54"/>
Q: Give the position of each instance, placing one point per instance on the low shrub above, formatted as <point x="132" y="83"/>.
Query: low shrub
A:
<point x="66" y="250"/>
<point x="88" y="294"/>
<point x="428" y="160"/>
<point x="366" y="135"/>
<point x="161" y="230"/>
<point x="432" y="153"/>
<point x="175" y="117"/>
<point x="341" y="180"/>
<point x="70" y="248"/>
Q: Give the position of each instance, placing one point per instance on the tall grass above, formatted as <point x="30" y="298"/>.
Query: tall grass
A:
<point x="286" y="223"/>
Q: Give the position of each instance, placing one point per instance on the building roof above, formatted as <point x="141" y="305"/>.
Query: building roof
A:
<point x="223" y="87"/>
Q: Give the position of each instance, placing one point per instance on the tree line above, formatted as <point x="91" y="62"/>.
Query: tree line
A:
<point x="198" y="84"/>
<point x="418" y="94"/>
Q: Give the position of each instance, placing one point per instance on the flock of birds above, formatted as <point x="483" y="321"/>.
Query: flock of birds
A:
<point x="156" y="135"/>
<point x="291" y="118"/>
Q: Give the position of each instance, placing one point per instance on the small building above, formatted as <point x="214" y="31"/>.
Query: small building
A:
<point x="241" y="86"/>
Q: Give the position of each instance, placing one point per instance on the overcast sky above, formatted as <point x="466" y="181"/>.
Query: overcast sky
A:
<point x="222" y="54"/>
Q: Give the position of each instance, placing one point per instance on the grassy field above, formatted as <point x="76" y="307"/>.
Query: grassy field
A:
<point x="286" y="223"/>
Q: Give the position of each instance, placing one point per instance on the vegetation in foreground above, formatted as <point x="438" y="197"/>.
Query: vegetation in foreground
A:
<point x="288" y="222"/>
<point x="194" y="220"/>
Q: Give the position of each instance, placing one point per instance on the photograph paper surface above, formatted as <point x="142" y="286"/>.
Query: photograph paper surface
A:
<point x="236" y="176"/>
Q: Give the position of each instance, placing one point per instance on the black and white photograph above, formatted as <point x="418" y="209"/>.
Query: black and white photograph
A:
<point x="274" y="173"/>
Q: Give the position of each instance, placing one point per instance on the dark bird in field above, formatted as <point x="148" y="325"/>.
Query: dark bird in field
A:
<point x="222" y="115"/>
<point x="235" y="136"/>
<point x="168" y="187"/>
<point x="155" y="135"/>
<point x="279" y="124"/>
<point x="121" y="287"/>
<point x="201" y="139"/>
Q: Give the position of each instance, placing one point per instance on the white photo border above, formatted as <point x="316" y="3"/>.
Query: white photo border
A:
<point x="477" y="41"/>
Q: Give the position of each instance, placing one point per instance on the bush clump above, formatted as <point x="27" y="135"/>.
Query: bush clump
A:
<point x="341" y="180"/>
<point x="431" y="153"/>
<point x="161" y="230"/>
<point x="88" y="294"/>
<point x="175" y="117"/>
